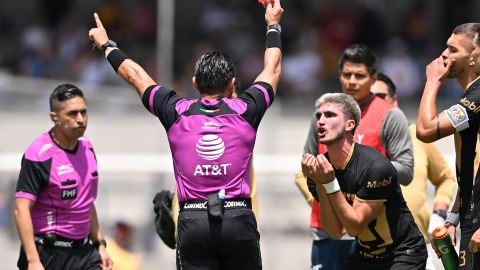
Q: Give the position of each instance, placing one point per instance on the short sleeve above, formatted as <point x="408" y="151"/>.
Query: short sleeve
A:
<point x="34" y="176"/>
<point x="258" y="97"/>
<point x="161" y="102"/>
<point x="466" y="111"/>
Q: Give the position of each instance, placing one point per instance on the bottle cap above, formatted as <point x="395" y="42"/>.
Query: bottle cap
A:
<point x="439" y="232"/>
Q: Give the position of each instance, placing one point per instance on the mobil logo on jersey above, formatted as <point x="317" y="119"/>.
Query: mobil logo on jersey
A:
<point x="210" y="147"/>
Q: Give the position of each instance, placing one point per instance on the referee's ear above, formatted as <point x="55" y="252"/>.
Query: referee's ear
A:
<point x="194" y="83"/>
<point x="54" y="117"/>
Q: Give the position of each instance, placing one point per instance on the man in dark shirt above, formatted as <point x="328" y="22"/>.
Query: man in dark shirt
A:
<point x="211" y="140"/>
<point x="359" y="193"/>
<point x="463" y="120"/>
<point x="56" y="190"/>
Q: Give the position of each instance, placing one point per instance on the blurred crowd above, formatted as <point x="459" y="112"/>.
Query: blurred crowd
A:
<point x="406" y="34"/>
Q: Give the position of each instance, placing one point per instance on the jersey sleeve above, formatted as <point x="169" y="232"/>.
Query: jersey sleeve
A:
<point x="396" y="138"/>
<point x="34" y="176"/>
<point x="311" y="143"/>
<point x="258" y="97"/>
<point x="161" y="102"/>
<point x="380" y="180"/>
<point x="466" y="111"/>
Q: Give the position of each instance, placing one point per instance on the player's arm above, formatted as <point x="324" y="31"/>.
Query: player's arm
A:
<point x="378" y="182"/>
<point x="398" y="143"/>
<point x="451" y="216"/>
<point x="431" y="125"/>
<point x="356" y="217"/>
<point x="441" y="177"/>
<point x="301" y="182"/>
<point x="273" y="53"/>
<point x="330" y="218"/>
<point x="131" y="72"/>
<point x="24" y="223"/>
<point x="98" y="239"/>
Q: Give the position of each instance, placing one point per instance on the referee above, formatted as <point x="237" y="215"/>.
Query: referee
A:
<point x="211" y="140"/>
<point x="54" y="210"/>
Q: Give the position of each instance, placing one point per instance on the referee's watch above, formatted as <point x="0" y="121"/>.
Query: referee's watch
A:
<point x="99" y="243"/>
<point x="109" y="43"/>
<point x="276" y="27"/>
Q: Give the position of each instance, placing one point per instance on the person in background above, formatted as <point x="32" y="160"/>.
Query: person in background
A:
<point x="429" y="165"/>
<point x="120" y="247"/>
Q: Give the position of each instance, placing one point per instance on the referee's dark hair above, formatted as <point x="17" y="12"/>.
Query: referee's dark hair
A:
<point x="62" y="93"/>
<point x="213" y="72"/>
<point x="392" y="89"/>
<point x="359" y="54"/>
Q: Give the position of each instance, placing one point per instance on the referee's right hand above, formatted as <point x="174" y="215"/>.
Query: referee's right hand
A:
<point x="98" y="34"/>
<point x="273" y="12"/>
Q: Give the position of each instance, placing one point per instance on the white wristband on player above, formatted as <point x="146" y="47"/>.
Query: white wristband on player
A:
<point x="453" y="218"/>
<point x="332" y="187"/>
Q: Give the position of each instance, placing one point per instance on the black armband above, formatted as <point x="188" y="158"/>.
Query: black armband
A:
<point x="116" y="58"/>
<point x="274" y="39"/>
<point x="99" y="243"/>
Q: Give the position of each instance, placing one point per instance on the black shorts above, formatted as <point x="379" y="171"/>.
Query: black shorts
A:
<point x="84" y="257"/>
<point x="467" y="260"/>
<point x="233" y="243"/>
<point x="399" y="262"/>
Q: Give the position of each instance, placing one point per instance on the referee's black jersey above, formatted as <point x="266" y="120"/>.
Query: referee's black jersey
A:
<point x="369" y="176"/>
<point x="465" y="118"/>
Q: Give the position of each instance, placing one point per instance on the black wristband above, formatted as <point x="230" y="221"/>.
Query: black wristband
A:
<point x="116" y="58"/>
<point x="274" y="39"/>
<point x="100" y="243"/>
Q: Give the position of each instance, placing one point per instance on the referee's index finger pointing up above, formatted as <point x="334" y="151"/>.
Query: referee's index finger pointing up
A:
<point x="97" y="20"/>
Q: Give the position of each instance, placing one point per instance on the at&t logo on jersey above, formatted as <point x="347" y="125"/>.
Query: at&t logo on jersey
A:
<point x="211" y="147"/>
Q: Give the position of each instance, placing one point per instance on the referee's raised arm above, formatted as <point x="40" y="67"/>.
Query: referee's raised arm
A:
<point x="273" y="52"/>
<point x="130" y="71"/>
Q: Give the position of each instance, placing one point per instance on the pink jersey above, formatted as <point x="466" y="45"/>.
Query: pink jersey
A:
<point x="211" y="140"/>
<point x="63" y="185"/>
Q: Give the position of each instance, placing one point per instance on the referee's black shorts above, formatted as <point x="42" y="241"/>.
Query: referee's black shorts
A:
<point x="85" y="257"/>
<point x="232" y="243"/>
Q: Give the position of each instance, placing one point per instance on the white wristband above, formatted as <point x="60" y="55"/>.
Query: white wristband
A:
<point x="453" y="218"/>
<point x="331" y="187"/>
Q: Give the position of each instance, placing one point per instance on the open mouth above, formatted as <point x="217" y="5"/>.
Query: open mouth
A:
<point x="321" y="132"/>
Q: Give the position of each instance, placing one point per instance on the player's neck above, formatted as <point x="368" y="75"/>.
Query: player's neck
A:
<point x="467" y="79"/>
<point x="340" y="151"/>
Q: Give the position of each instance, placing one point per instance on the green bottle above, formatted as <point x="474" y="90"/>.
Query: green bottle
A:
<point x="444" y="244"/>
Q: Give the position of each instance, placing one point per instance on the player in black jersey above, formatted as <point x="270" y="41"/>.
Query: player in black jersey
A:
<point x="463" y="120"/>
<point x="359" y="193"/>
